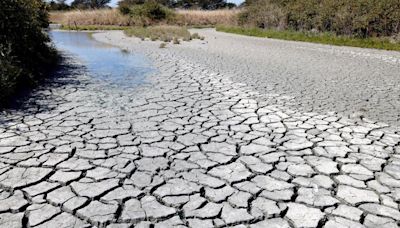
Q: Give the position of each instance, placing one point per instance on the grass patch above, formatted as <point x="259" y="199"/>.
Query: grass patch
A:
<point x="91" y="17"/>
<point x="113" y="17"/>
<point x="93" y="27"/>
<point x="164" y="33"/>
<point x="322" y="38"/>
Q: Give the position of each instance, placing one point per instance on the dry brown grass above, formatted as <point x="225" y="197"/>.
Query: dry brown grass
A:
<point x="206" y="18"/>
<point x="90" y="17"/>
<point x="113" y="17"/>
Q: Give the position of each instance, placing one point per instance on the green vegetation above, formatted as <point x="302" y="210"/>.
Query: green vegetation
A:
<point x="148" y="13"/>
<point x="163" y="33"/>
<point x="93" y="27"/>
<point x="58" y="5"/>
<point x="360" y="18"/>
<point x="24" y="53"/>
<point x="322" y="38"/>
<point x="89" y="4"/>
<point x="186" y="4"/>
<point x="359" y="23"/>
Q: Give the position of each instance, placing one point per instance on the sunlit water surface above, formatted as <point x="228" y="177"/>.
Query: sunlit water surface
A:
<point x="102" y="61"/>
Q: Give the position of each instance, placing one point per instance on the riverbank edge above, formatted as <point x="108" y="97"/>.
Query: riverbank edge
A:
<point x="310" y="37"/>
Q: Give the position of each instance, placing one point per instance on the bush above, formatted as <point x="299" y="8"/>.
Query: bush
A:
<point x="151" y="11"/>
<point x="362" y="18"/>
<point x="263" y="14"/>
<point x="24" y="52"/>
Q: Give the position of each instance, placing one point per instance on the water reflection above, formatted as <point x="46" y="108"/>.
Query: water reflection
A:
<point x="103" y="61"/>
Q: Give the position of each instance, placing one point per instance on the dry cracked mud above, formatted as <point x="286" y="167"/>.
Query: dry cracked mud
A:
<point x="191" y="148"/>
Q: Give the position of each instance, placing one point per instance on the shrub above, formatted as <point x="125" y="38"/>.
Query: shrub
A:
<point x="89" y="4"/>
<point x="151" y="12"/>
<point x="362" y="18"/>
<point x="195" y="36"/>
<point x="176" y="41"/>
<point x="263" y="14"/>
<point x="24" y="52"/>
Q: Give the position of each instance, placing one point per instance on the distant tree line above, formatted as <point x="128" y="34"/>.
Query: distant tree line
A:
<point x="186" y="4"/>
<point x="96" y="4"/>
<point x="77" y="4"/>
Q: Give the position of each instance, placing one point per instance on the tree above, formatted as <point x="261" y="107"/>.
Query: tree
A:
<point x="129" y="3"/>
<point x="58" y="5"/>
<point x="24" y="49"/>
<point x="202" y="4"/>
<point x="89" y="4"/>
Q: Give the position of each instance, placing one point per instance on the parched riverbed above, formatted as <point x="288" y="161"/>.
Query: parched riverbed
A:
<point x="150" y="137"/>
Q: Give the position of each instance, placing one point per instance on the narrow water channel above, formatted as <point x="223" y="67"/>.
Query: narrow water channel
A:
<point x="102" y="61"/>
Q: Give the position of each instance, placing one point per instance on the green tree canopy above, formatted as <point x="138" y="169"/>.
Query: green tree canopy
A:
<point x="197" y="4"/>
<point x="24" y="52"/>
<point x="58" y="5"/>
<point x="89" y="4"/>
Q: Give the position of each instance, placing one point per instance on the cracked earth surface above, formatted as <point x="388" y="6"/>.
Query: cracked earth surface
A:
<point x="191" y="148"/>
